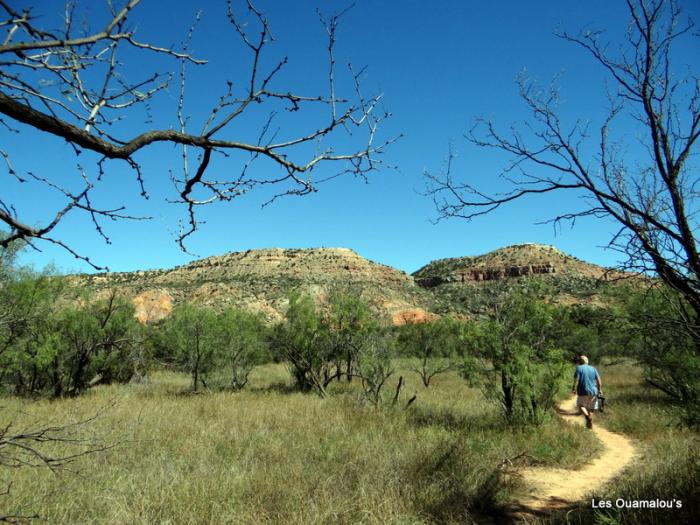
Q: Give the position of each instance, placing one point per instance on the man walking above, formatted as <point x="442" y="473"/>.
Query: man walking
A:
<point x="587" y="384"/>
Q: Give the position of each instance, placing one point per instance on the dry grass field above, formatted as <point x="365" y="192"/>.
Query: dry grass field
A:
<point x="271" y="455"/>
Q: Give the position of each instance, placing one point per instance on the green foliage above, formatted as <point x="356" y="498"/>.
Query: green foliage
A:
<point x="67" y="351"/>
<point x="374" y="366"/>
<point x="217" y="350"/>
<point x="434" y="347"/>
<point x="92" y="344"/>
<point x="667" y="340"/>
<point x="317" y="347"/>
<point x="350" y="323"/>
<point x="189" y="334"/>
<point x="242" y="338"/>
<point x="303" y="342"/>
<point x="59" y="351"/>
<point x="515" y="357"/>
<point x="595" y="331"/>
<point x="26" y="302"/>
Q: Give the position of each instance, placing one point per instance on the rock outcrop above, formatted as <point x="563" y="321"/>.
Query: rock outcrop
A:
<point x="152" y="305"/>
<point x="486" y="274"/>
<point x="412" y="316"/>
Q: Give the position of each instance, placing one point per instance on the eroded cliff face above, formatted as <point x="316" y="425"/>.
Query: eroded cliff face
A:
<point x="152" y="305"/>
<point x="412" y="316"/>
<point x="261" y="280"/>
<point x="466" y="275"/>
<point x="520" y="260"/>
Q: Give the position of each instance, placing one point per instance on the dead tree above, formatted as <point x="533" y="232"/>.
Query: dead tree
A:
<point x="653" y="200"/>
<point x="73" y="84"/>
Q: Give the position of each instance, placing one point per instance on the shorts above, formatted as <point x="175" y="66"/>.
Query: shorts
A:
<point x="587" y="402"/>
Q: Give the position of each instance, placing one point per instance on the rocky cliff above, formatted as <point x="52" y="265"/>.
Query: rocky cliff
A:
<point x="465" y="285"/>
<point x="520" y="260"/>
<point x="261" y="281"/>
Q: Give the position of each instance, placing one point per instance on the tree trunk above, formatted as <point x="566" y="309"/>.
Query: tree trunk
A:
<point x="507" y="394"/>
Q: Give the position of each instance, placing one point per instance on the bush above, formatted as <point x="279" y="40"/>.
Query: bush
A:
<point x="317" y="346"/>
<point x="514" y="357"/>
<point x="74" y="348"/>
<point x="188" y="337"/>
<point x="349" y="324"/>
<point x="434" y="347"/>
<point x="595" y="331"/>
<point x="242" y="336"/>
<point x="374" y="366"/>
<point x="303" y="342"/>
<point x="668" y="346"/>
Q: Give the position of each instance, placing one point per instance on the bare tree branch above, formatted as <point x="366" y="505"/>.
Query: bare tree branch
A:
<point x="654" y="204"/>
<point x="72" y="85"/>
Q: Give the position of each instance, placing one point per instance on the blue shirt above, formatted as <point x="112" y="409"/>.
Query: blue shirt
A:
<point x="586" y="376"/>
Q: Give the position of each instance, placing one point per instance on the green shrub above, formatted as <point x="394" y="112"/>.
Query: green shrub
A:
<point x="434" y="347"/>
<point x="349" y="323"/>
<point x="189" y="337"/>
<point x="515" y="358"/>
<point x="667" y="342"/>
<point x="242" y="339"/>
<point x="74" y="348"/>
<point x="303" y="343"/>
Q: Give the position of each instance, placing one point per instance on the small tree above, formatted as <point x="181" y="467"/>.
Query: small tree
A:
<point x="596" y="331"/>
<point x="664" y="347"/>
<point x="304" y="343"/>
<point x="96" y="343"/>
<point x="434" y="347"/>
<point x="190" y="334"/>
<point x="350" y="323"/>
<point x="26" y="302"/>
<point x="514" y="356"/>
<point x="242" y="339"/>
<point x="73" y="349"/>
<point x="374" y="365"/>
<point x="25" y="312"/>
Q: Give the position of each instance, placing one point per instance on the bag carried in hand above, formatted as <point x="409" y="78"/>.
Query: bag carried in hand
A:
<point x="600" y="402"/>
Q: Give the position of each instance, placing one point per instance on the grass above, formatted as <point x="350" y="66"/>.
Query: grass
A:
<point x="271" y="455"/>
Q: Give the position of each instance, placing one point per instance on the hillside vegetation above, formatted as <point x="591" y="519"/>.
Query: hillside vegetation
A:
<point x="261" y="280"/>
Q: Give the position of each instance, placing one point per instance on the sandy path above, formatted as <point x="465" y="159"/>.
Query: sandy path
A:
<point x="560" y="488"/>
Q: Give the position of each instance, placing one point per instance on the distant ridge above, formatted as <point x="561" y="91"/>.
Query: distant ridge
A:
<point x="518" y="260"/>
<point x="261" y="281"/>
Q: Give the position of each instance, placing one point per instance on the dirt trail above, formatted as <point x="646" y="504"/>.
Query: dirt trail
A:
<point x="560" y="488"/>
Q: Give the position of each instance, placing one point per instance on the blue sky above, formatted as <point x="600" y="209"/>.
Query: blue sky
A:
<point x="439" y="65"/>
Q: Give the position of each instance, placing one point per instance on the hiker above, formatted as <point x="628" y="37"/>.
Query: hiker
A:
<point x="587" y="385"/>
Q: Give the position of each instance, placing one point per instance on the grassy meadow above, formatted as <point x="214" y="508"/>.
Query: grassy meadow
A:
<point x="269" y="454"/>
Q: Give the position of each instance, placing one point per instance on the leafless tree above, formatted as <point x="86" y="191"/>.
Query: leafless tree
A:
<point x="654" y="200"/>
<point x="72" y="84"/>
